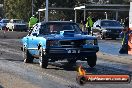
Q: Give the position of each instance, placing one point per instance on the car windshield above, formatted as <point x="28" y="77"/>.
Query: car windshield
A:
<point x="110" y="24"/>
<point x="51" y="28"/>
<point x="5" y="21"/>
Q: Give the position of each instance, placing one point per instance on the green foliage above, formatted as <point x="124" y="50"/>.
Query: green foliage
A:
<point x="22" y="8"/>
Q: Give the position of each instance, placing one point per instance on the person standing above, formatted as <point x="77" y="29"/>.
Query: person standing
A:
<point x="124" y="35"/>
<point x="33" y="20"/>
<point x="83" y="26"/>
<point x="126" y="23"/>
<point x="89" y="24"/>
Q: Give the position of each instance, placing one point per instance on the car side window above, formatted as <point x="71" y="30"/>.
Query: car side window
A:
<point x="43" y="29"/>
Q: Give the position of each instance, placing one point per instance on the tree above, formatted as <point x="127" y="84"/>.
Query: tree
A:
<point x="17" y="9"/>
<point x="22" y="8"/>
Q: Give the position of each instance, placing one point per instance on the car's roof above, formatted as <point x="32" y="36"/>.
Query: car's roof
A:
<point x="4" y="19"/>
<point x="43" y="22"/>
<point x="16" y="19"/>
<point x="107" y="20"/>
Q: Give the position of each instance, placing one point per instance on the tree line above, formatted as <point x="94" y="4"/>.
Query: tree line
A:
<point x="22" y="9"/>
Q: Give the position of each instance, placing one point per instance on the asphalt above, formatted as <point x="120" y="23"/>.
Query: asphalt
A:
<point x="12" y="34"/>
<point x="109" y="50"/>
<point x="57" y="75"/>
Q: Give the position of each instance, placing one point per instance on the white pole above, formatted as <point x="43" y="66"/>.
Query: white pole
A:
<point x="106" y="16"/>
<point x="32" y="7"/>
<point x="116" y="15"/>
<point x="75" y="15"/>
<point x="39" y="16"/>
<point x="46" y="11"/>
<point x="84" y="14"/>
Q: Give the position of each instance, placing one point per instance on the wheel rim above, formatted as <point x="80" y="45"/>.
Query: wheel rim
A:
<point x="40" y="56"/>
<point x="25" y="54"/>
<point x="43" y="61"/>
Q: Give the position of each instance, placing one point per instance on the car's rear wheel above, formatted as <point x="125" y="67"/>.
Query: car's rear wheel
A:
<point x="27" y="56"/>
<point x="102" y="36"/>
<point x="113" y="38"/>
<point x="43" y="60"/>
<point x="91" y="60"/>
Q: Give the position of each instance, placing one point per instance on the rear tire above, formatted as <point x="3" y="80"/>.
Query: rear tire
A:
<point x="92" y="60"/>
<point x="102" y="36"/>
<point x="113" y="38"/>
<point x="27" y="57"/>
<point x="43" y="60"/>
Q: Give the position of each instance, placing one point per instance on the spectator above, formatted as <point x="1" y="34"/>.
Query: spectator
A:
<point x="33" y="20"/>
<point x="89" y="24"/>
<point x="124" y="35"/>
<point x="126" y="23"/>
<point x="0" y="18"/>
<point x="82" y="25"/>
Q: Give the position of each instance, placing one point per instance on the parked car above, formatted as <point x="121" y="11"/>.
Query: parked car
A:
<point x="17" y="25"/>
<point x="107" y="28"/>
<point x="3" y="23"/>
<point x="58" y="40"/>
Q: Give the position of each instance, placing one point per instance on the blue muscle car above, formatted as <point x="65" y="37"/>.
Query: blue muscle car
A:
<point x="59" y="40"/>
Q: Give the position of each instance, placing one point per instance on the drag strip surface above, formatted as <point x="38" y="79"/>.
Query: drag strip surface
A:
<point x="110" y="46"/>
<point x="58" y="74"/>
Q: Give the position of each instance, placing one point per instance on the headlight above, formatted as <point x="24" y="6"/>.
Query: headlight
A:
<point x="92" y="42"/>
<point x="53" y="43"/>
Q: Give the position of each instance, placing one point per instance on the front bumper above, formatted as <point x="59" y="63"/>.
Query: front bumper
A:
<point x="71" y="52"/>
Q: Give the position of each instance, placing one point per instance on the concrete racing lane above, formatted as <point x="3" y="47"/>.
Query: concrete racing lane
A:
<point x="58" y="74"/>
<point x="110" y="46"/>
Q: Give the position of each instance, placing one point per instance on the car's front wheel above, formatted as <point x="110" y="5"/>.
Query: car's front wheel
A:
<point x="43" y="60"/>
<point x="27" y="56"/>
<point x="92" y="60"/>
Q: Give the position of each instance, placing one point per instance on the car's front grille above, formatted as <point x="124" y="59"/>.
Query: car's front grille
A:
<point x="72" y="43"/>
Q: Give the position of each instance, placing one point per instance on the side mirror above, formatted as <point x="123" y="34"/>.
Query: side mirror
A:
<point x="35" y="34"/>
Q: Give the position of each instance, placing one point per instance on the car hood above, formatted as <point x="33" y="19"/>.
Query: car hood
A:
<point x="73" y="37"/>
